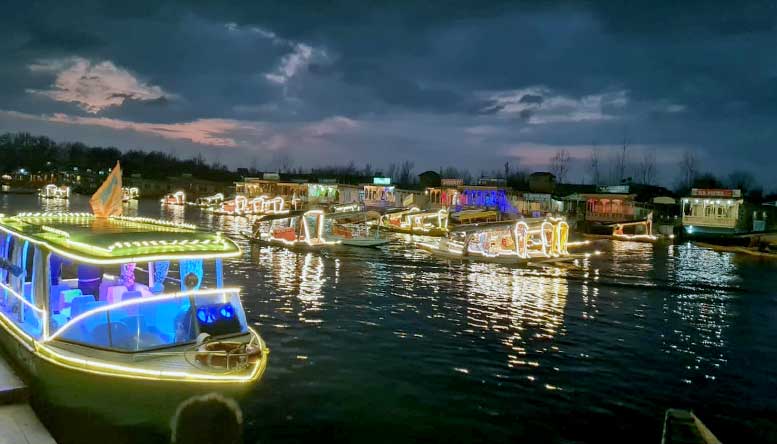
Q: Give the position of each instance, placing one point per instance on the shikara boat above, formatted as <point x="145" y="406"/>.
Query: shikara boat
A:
<point x="684" y="427"/>
<point x="129" y="193"/>
<point x="126" y="316"/>
<point x="540" y="240"/>
<point x="634" y="231"/>
<point x="415" y="221"/>
<point x="303" y="232"/>
<point x="52" y="191"/>
<point x="351" y="228"/>
<point x="175" y="199"/>
<point x="209" y="201"/>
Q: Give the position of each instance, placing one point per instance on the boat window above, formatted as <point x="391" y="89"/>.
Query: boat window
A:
<point x="18" y="301"/>
<point x="149" y="323"/>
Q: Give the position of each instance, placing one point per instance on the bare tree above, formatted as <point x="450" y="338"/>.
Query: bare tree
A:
<point x="742" y="180"/>
<point x="405" y="172"/>
<point x="621" y="161"/>
<point x="392" y="172"/>
<point x="647" y="167"/>
<point x="559" y="165"/>
<point x="593" y="164"/>
<point x="689" y="167"/>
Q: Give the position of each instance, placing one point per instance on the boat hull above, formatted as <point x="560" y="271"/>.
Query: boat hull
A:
<point x="364" y="242"/>
<point x="116" y="400"/>
<point x="510" y="260"/>
<point x="640" y="238"/>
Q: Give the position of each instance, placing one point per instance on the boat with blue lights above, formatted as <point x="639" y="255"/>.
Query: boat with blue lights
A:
<point x="127" y="316"/>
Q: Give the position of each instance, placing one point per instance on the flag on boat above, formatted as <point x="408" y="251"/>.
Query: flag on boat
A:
<point x="106" y="201"/>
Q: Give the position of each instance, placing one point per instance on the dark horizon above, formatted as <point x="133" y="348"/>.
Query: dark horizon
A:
<point x="266" y="83"/>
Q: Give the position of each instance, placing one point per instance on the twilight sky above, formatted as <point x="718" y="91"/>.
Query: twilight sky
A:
<point x="441" y="84"/>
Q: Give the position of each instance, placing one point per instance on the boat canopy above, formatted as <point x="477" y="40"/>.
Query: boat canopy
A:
<point x="117" y="240"/>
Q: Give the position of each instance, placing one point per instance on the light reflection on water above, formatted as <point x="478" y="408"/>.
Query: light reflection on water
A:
<point x="424" y="349"/>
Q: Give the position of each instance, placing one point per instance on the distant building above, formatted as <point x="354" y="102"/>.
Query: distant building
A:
<point x="192" y="186"/>
<point x="429" y="179"/>
<point x="542" y="182"/>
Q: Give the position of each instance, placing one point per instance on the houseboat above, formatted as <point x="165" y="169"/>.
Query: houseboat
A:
<point x="510" y="242"/>
<point x="209" y="201"/>
<point x="127" y="316"/>
<point x="415" y="221"/>
<point x="52" y="191"/>
<point x="129" y="193"/>
<point x="177" y="198"/>
<point x="721" y="216"/>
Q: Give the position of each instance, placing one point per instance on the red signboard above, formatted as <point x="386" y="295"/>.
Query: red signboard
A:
<point x="705" y="192"/>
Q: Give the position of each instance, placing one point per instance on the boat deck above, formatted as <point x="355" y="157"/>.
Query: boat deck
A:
<point x="176" y="363"/>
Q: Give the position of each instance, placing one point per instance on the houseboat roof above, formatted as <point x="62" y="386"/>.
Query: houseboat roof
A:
<point x="114" y="240"/>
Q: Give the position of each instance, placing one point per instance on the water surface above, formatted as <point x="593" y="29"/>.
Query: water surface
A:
<point x="391" y="345"/>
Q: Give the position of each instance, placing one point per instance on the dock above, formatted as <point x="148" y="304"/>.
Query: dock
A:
<point x="18" y="422"/>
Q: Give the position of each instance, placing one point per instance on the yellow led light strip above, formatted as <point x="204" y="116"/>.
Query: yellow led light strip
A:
<point x="122" y="260"/>
<point x="106" y="369"/>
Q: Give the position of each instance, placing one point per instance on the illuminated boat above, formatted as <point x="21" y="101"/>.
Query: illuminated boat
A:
<point x="635" y="231"/>
<point x="129" y="193"/>
<point x="52" y="191"/>
<point x="209" y="201"/>
<point x="351" y="228"/>
<point x="76" y="320"/>
<point x="177" y="198"/>
<point x="415" y="221"/>
<point x="304" y="232"/>
<point x="512" y="242"/>
<point x="347" y="208"/>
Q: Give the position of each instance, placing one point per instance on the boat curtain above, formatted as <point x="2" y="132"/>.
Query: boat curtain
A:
<point x="160" y="274"/>
<point x="128" y="275"/>
<point x="191" y="274"/>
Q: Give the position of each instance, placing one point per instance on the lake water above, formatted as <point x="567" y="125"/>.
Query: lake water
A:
<point x="391" y="345"/>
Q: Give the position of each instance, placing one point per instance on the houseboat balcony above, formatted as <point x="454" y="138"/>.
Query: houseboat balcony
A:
<point x="713" y="222"/>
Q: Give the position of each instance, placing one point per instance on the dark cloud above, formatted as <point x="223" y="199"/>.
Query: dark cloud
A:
<point x="459" y="79"/>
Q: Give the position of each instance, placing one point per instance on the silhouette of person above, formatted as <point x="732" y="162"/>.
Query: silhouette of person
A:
<point x="207" y="419"/>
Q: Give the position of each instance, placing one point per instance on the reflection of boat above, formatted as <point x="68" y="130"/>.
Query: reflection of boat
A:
<point x="298" y="232"/>
<point x="516" y="242"/>
<point x="351" y="228"/>
<point x="80" y="324"/>
<point x="129" y="193"/>
<point x="683" y="427"/>
<point x="52" y="191"/>
<point x="635" y="231"/>
<point x="177" y="198"/>
<point x="209" y="201"/>
<point x="415" y="221"/>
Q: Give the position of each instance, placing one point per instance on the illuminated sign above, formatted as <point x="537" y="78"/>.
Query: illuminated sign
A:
<point x="271" y="176"/>
<point x="381" y="181"/>
<point x="451" y="182"/>
<point x="704" y="192"/>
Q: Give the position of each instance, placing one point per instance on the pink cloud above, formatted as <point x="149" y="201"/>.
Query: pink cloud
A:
<point x="93" y="86"/>
<point x="202" y="131"/>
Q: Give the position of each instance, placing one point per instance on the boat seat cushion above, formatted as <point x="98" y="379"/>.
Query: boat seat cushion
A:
<point x="69" y="295"/>
<point x="78" y="305"/>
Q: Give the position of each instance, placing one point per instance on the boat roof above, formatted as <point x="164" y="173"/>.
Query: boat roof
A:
<point x="116" y="239"/>
<point x="491" y="226"/>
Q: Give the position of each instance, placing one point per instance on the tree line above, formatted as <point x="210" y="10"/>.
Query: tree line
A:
<point x="39" y="154"/>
